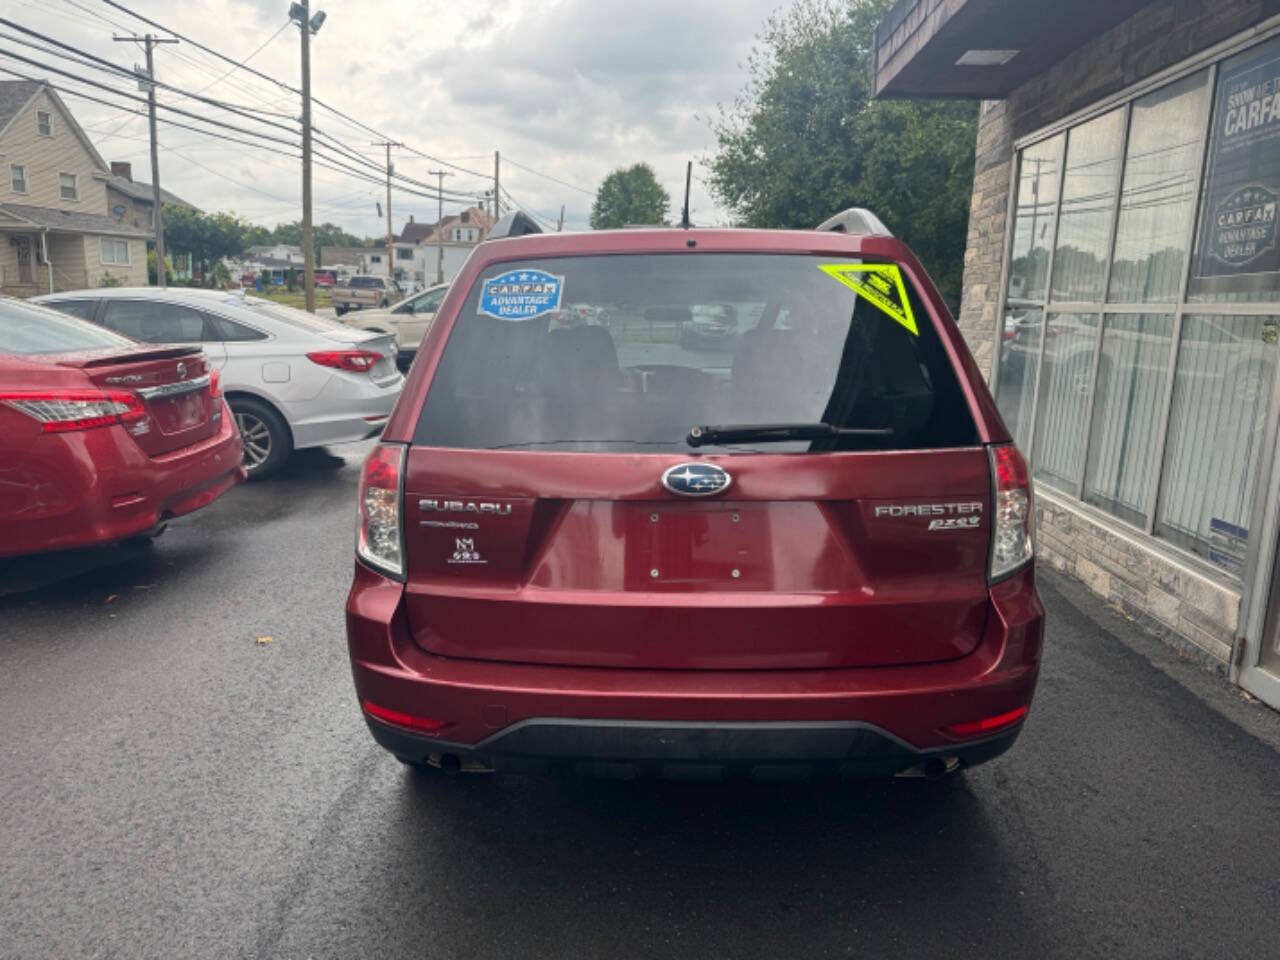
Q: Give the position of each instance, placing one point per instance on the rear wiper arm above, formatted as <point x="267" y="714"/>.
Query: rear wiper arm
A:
<point x="776" y="433"/>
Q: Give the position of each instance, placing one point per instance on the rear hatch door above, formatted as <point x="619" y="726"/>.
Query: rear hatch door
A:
<point x="539" y="528"/>
<point x="832" y="561"/>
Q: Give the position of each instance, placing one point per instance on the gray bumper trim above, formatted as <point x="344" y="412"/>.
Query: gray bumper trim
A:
<point x="690" y="750"/>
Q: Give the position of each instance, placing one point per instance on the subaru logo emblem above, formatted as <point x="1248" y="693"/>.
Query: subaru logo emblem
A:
<point x="182" y="371"/>
<point x="696" y="479"/>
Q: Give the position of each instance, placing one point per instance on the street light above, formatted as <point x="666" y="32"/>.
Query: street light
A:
<point x="300" y="13"/>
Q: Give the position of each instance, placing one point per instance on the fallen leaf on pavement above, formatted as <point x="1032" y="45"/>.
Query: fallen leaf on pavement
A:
<point x="264" y="640"/>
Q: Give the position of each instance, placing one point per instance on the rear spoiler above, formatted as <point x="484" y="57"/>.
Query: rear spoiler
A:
<point x="142" y="352"/>
<point x="514" y="224"/>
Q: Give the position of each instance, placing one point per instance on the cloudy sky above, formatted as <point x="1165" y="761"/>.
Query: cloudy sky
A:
<point x="569" y="88"/>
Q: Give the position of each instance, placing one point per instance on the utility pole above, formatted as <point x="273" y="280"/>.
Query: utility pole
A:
<point x="308" y="236"/>
<point x="148" y="84"/>
<point x="497" y="186"/>
<point x="439" y="175"/>
<point x="560" y="222"/>
<point x="300" y="13"/>
<point x="391" y="250"/>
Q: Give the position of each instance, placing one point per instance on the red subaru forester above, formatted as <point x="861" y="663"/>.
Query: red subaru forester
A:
<point x="695" y="503"/>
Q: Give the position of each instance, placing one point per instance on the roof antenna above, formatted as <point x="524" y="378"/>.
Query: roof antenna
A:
<point x="688" y="176"/>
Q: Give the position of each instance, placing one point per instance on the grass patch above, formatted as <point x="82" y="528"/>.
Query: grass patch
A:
<point x="324" y="297"/>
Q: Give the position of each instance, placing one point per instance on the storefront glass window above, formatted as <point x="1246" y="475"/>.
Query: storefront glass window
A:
<point x="1136" y="363"/>
<point x="1237" y="257"/>
<point x="1088" y="202"/>
<point x="1220" y="396"/>
<point x="1071" y="341"/>
<point x="1128" y="403"/>
<point x="1017" y="387"/>
<point x="1033" y="219"/>
<point x="1166" y="136"/>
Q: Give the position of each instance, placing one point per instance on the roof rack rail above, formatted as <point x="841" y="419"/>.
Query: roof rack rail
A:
<point x="514" y="224"/>
<point x="857" y="220"/>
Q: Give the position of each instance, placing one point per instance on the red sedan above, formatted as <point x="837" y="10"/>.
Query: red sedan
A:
<point x="103" y="438"/>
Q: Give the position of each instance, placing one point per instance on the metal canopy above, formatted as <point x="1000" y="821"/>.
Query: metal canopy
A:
<point x="919" y="43"/>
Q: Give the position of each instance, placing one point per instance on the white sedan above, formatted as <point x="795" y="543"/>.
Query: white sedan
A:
<point x="293" y="380"/>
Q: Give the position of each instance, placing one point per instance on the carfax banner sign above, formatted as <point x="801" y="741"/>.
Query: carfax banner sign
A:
<point x="1238" y="219"/>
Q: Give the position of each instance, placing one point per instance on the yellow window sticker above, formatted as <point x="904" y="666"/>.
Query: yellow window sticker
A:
<point x="879" y="284"/>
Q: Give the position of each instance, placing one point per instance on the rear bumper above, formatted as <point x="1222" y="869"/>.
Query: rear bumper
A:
<point x="79" y="489"/>
<point x="848" y="721"/>
<point x="691" y="751"/>
<point x="350" y="407"/>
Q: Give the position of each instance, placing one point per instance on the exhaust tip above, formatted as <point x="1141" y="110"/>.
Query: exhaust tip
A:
<point x="450" y="763"/>
<point x="935" y="768"/>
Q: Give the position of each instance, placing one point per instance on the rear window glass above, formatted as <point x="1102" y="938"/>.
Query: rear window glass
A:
<point x="230" y="330"/>
<point x="77" y="308"/>
<point x="28" y="329"/>
<point x="154" y="321"/>
<point x="629" y="352"/>
<point x="369" y="282"/>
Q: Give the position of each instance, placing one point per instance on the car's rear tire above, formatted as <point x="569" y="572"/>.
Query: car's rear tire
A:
<point x="265" y="435"/>
<point x="339" y="310"/>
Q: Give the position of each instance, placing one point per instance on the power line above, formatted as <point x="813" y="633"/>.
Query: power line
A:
<point x="520" y="206"/>
<point x="256" y="72"/>
<point x="342" y="163"/>
<point x="128" y="96"/>
<point x="101" y="63"/>
<point x="107" y="66"/>
<point x="546" y="176"/>
<point x="241" y="65"/>
<point x="329" y="163"/>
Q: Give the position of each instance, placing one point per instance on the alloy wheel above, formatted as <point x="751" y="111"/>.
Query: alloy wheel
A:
<point x="256" y="438"/>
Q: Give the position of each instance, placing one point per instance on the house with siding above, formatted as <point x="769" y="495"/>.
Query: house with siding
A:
<point x="425" y="251"/>
<point x="132" y="201"/>
<point x="56" y="227"/>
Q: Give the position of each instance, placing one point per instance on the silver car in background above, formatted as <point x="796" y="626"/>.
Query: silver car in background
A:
<point x="293" y="380"/>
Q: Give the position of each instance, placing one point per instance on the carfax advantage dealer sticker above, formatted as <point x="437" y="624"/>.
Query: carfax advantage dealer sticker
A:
<point x="521" y="295"/>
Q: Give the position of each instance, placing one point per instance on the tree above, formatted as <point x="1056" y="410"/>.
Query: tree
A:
<point x="151" y="269"/>
<point x="207" y="237"/>
<point x="805" y="140"/>
<point x="323" y="235"/>
<point x="256" y="236"/>
<point x="627" y="196"/>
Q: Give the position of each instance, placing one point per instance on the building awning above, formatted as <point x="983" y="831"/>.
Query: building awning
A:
<point x="22" y="216"/>
<point x="983" y="49"/>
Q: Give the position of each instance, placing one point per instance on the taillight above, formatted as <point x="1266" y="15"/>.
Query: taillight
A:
<point x="379" y="541"/>
<point x="401" y="719"/>
<point x="977" y="728"/>
<point x="61" y="410"/>
<point x="1011" y="544"/>
<point x="215" y="385"/>
<point x="357" y="361"/>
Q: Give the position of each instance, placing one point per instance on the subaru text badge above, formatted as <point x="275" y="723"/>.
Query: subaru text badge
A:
<point x="696" y="479"/>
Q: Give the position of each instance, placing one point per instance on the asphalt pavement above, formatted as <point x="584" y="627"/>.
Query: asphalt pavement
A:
<point x="185" y="774"/>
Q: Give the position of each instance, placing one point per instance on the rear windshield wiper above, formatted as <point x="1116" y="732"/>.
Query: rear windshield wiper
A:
<point x="777" y="433"/>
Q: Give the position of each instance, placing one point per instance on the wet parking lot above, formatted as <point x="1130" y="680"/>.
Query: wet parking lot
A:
<point x="186" y="774"/>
